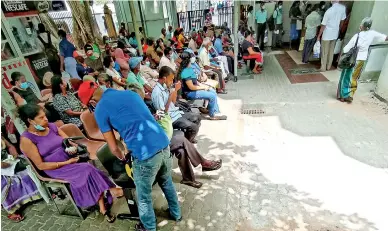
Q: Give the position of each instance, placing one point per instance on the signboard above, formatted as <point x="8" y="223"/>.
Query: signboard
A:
<point x="12" y="8"/>
<point x="39" y="65"/>
<point x="22" y="67"/>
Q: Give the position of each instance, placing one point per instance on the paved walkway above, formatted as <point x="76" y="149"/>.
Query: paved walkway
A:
<point x="308" y="162"/>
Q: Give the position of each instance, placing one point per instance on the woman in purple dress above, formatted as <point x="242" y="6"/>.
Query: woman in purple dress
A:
<point x="42" y="143"/>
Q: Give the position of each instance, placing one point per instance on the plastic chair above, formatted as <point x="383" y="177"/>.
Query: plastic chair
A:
<point x="117" y="171"/>
<point x="91" y="127"/>
<point x="48" y="182"/>
<point x="72" y="130"/>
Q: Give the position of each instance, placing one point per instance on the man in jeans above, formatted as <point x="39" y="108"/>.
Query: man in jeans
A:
<point x="126" y="112"/>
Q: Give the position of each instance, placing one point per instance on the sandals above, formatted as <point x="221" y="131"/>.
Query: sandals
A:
<point x="222" y="117"/>
<point x="109" y="217"/>
<point x="194" y="184"/>
<point x="215" y="165"/>
<point x="15" y="217"/>
<point x="203" y="110"/>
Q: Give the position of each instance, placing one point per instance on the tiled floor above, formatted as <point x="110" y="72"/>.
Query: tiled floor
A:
<point x="287" y="63"/>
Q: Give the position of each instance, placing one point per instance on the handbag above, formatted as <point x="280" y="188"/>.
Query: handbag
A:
<point x="348" y="59"/>
<point x="82" y="151"/>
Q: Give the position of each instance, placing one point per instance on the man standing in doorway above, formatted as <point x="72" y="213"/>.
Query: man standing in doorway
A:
<point x="328" y="34"/>
<point x="251" y="19"/>
<point x="261" y="19"/>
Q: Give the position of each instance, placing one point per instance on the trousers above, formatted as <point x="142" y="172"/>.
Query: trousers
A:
<point x="189" y="123"/>
<point x="327" y="51"/>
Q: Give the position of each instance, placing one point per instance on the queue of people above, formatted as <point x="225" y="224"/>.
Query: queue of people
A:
<point x="123" y="100"/>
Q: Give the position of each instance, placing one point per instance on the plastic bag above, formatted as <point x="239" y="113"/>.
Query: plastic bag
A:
<point x="337" y="48"/>
<point x="266" y="36"/>
<point x="317" y="50"/>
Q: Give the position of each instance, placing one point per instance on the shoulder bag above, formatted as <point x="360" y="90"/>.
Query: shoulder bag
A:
<point x="348" y="59"/>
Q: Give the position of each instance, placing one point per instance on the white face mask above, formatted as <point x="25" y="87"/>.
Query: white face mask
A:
<point x="280" y="7"/>
<point x="323" y="7"/>
<point x="263" y="7"/>
<point x="192" y="59"/>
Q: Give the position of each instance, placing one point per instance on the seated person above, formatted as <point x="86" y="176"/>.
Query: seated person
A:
<point x="181" y="36"/>
<point x="135" y="77"/>
<point x="42" y="144"/>
<point x="249" y="53"/>
<point x="65" y="103"/>
<point x="17" y="189"/>
<point x="118" y="82"/>
<point x="192" y="43"/>
<point x="151" y="53"/>
<point x="164" y="98"/>
<point x="159" y="47"/>
<point x="225" y="57"/>
<point x="185" y="152"/>
<point x="132" y="40"/>
<point x="83" y="69"/>
<point x="122" y="60"/>
<point x="205" y="63"/>
<point x="166" y="60"/>
<point x="149" y="75"/>
<point x="22" y="88"/>
<point x="194" y="90"/>
<point x="105" y="81"/>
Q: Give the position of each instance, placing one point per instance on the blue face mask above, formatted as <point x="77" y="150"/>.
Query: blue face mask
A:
<point x="39" y="127"/>
<point x="24" y="85"/>
<point x="103" y="87"/>
<point x="148" y="63"/>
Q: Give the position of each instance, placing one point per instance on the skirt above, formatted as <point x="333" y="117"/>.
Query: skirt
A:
<point x="347" y="85"/>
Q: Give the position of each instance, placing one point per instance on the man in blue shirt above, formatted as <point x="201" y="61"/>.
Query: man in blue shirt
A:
<point x="261" y="19"/>
<point x="126" y="112"/>
<point x="163" y="99"/>
<point x="227" y="59"/>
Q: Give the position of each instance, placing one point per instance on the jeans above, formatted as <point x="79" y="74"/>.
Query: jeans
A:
<point x="210" y="95"/>
<point x="146" y="172"/>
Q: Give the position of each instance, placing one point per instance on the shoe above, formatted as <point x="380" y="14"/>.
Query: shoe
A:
<point x="212" y="165"/>
<point x="194" y="184"/>
<point x="218" y="117"/>
<point x="194" y="141"/>
<point x="140" y="227"/>
<point x="203" y="110"/>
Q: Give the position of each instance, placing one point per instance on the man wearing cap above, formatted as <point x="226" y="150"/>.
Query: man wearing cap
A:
<point x="135" y="77"/>
<point x="125" y="112"/>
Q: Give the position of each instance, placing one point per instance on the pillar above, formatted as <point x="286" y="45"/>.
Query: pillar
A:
<point x="382" y="83"/>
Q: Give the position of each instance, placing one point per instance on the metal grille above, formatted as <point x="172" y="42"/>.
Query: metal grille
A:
<point x="252" y="111"/>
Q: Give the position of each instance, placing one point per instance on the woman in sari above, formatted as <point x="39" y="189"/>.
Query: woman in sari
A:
<point x="347" y="85"/>
<point x="18" y="189"/>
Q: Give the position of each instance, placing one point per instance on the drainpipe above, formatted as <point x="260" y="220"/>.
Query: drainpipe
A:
<point x="235" y="30"/>
<point x="136" y="27"/>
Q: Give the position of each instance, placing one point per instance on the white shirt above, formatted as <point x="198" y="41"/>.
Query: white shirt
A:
<point x="251" y="21"/>
<point x="204" y="57"/>
<point x="332" y="19"/>
<point x="114" y="74"/>
<point x="164" y="61"/>
<point x="193" y="45"/>
<point x="364" y="41"/>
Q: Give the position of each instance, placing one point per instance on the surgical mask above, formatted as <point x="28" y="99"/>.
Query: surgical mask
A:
<point x="323" y="7"/>
<point x="121" y="36"/>
<point x="103" y="87"/>
<point x="147" y="63"/>
<point x="24" y="102"/>
<point x="263" y="7"/>
<point x="39" y="127"/>
<point x="24" y="85"/>
<point x="280" y="7"/>
<point x="192" y="59"/>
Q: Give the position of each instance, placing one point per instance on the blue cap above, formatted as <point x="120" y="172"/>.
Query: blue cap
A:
<point x="134" y="61"/>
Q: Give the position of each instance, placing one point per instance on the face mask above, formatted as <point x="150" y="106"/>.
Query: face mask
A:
<point x="24" y="102"/>
<point x="121" y="36"/>
<point x="323" y="7"/>
<point x="39" y="127"/>
<point x="24" y="85"/>
<point x="103" y="87"/>
<point x="280" y="7"/>
<point x="192" y="59"/>
<point x="147" y="63"/>
<point x="263" y="7"/>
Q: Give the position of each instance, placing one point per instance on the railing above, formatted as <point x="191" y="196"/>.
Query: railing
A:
<point x="196" y="18"/>
<point x="64" y="20"/>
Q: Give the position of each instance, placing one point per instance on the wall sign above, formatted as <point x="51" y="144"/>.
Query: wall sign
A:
<point x="39" y="65"/>
<point x="12" y="8"/>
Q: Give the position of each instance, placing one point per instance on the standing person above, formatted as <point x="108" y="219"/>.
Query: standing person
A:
<point x="251" y="19"/>
<point x="50" y="45"/>
<point x="295" y="15"/>
<point x="163" y="35"/>
<point x="347" y="85"/>
<point x="141" y="32"/>
<point x="126" y="112"/>
<point x="313" y="20"/>
<point x="278" y="17"/>
<point x="328" y="34"/>
<point x="163" y="98"/>
<point x="169" y="33"/>
<point x="322" y="8"/>
<point x="261" y="19"/>
<point x="67" y="61"/>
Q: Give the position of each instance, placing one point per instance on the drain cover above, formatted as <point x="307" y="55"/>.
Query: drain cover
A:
<point x="304" y="71"/>
<point x="252" y="112"/>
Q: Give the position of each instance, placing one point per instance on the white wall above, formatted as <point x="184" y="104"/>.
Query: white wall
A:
<point x="382" y="84"/>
